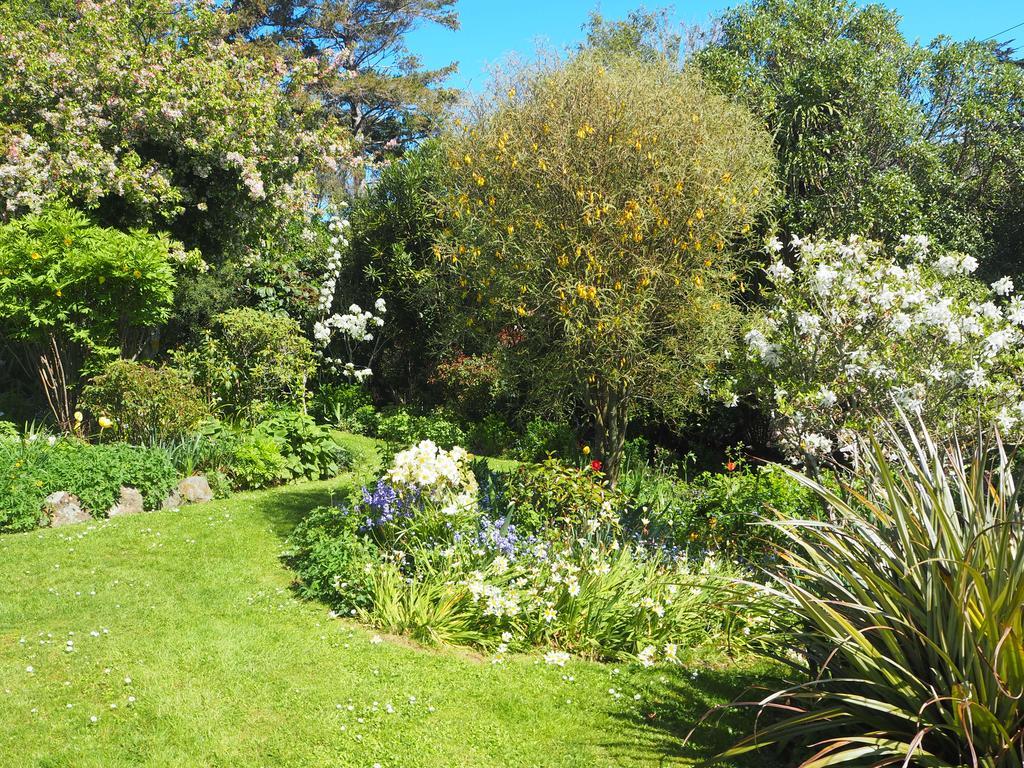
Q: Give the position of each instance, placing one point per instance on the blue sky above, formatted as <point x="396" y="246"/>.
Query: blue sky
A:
<point x="491" y="29"/>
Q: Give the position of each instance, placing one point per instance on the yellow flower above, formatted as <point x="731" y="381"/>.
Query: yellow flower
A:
<point x="137" y="273"/>
<point x="586" y="450"/>
<point x="78" y="417"/>
<point x="35" y="255"/>
<point x="105" y="423"/>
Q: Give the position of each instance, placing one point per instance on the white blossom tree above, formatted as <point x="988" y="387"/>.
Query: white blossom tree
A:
<point x="854" y="332"/>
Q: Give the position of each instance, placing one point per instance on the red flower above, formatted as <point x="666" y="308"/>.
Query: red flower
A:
<point x="596" y="465"/>
<point x="730" y="465"/>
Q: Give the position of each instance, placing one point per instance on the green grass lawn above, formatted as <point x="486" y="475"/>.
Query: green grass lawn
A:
<point x="173" y="639"/>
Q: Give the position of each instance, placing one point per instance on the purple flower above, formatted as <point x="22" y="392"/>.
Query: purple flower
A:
<point x="383" y="505"/>
<point x="498" y="535"/>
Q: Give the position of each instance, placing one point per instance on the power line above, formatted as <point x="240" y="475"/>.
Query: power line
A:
<point x="1008" y="29"/>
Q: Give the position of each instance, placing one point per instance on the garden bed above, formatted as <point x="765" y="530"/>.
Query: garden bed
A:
<point x="202" y="655"/>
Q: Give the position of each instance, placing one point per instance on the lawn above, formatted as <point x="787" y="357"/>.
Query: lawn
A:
<point x="174" y="639"/>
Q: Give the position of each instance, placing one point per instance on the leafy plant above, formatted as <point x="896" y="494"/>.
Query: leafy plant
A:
<point x="724" y="514"/>
<point x="401" y="427"/>
<point x="148" y="405"/>
<point x="251" y="362"/>
<point x="348" y="407"/>
<point x="550" y="494"/>
<point x="542" y="439"/>
<point x="333" y="563"/>
<point x="73" y="295"/>
<point x="32" y="469"/>
<point x="309" y="450"/>
<point x="256" y="461"/>
<point x="911" y="599"/>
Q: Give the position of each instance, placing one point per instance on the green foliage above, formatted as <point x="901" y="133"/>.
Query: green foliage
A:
<point x="721" y="514"/>
<point x="877" y="135"/>
<point x="549" y="495"/>
<point x="30" y="470"/>
<point x="148" y="405"/>
<point x="309" y="450"/>
<point x="469" y="384"/>
<point x="256" y="461"/>
<point x="401" y="427"/>
<point x="348" y="407"/>
<point x="332" y="561"/>
<point x="73" y="294"/>
<point x="589" y="206"/>
<point x="541" y="439"/>
<point x="643" y="34"/>
<point x="429" y="610"/>
<point x="251" y="361"/>
<point x="491" y="436"/>
<point x="911" y="597"/>
<point x="392" y="236"/>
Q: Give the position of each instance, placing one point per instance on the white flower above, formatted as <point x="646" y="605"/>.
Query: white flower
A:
<point x="823" y="279"/>
<point x="1003" y="286"/>
<point x="779" y="272"/>
<point x="774" y="245"/>
<point x="647" y="655"/>
<point x="808" y="324"/>
<point x="827" y="397"/>
<point x="556" y="658"/>
<point x="947" y="265"/>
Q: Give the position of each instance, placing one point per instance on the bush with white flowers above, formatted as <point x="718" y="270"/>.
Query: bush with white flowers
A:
<point x="854" y="332"/>
<point x="357" y="328"/>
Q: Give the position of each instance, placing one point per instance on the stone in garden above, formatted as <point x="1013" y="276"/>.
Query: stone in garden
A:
<point x="195" y="489"/>
<point x="172" y="502"/>
<point x="129" y="503"/>
<point x="62" y="508"/>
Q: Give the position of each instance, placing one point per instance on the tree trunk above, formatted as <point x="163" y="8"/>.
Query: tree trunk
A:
<point x="610" y="423"/>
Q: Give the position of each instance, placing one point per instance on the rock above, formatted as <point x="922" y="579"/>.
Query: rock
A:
<point x="129" y="503"/>
<point x="61" y="508"/>
<point x="195" y="489"/>
<point x="172" y="502"/>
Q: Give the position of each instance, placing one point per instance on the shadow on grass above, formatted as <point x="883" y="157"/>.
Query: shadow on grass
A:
<point x="688" y="704"/>
<point x="286" y="507"/>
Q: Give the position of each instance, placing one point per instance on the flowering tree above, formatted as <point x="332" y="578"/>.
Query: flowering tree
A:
<point x="356" y="330"/>
<point x="143" y="114"/>
<point x="855" y="331"/>
<point x="589" y="206"/>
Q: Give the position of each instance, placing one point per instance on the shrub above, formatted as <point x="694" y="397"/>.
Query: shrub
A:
<point x="74" y="294"/>
<point x="541" y="439"/>
<point x="550" y="494"/>
<point x="859" y="330"/>
<point x="469" y="383"/>
<point x="309" y="450"/>
<point x="30" y="470"/>
<point x="719" y="513"/>
<point x="491" y="436"/>
<point x="332" y="561"/>
<point x="148" y="405"/>
<point x="252" y="361"/>
<point x="911" y="600"/>
<point x="401" y="427"/>
<point x="256" y="462"/>
<point x="348" y="407"/>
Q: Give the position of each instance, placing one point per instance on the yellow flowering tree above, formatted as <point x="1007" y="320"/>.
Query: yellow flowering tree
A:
<point x="588" y="211"/>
